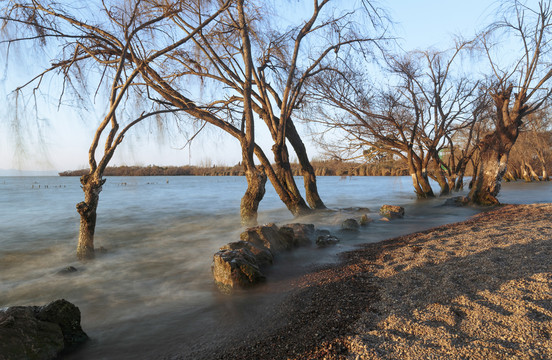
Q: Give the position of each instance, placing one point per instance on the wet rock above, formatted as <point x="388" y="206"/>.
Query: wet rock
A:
<point x="392" y="211"/>
<point x="67" y="270"/>
<point x="236" y="269"/>
<point x="456" y="201"/>
<point x="365" y="220"/>
<point x="267" y="236"/>
<point x="262" y="255"/>
<point x="40" y="332"/>
<point x="357" y="209"/>
<point x="326" y="240"/>
<point x="350" y="225"/>
<point x="303" y="234"/>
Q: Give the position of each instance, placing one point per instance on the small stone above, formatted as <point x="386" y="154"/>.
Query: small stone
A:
<point x="365" y="220"/>
<point x="350" y="225"/>
<point x="326" y="240"/>
<point x="67" y="270"/>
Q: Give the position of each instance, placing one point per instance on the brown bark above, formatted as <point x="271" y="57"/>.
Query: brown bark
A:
<point x="494" y="154"/>
<point x="91" y="186"/>
<point x="283" y="170"/>
<point x="495" y="147"/>
<point x="256" y="181"/>
<point x="309" y="177"/>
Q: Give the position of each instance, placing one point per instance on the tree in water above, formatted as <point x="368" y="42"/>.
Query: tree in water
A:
<point x="517" y="89"/>
<point x="106" y="46"/>
<point x="426" y="102"/>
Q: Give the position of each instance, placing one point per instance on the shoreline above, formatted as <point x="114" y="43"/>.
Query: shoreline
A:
<point x="481" y="288"/>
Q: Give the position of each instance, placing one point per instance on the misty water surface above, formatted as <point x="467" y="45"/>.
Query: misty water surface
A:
<point x="151" y="294"/>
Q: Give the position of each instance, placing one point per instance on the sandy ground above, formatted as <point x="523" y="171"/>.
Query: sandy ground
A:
<point x="479" y="289"/>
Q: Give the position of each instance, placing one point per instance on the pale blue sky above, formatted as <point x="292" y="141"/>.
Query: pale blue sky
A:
<point x="419" y="24"/>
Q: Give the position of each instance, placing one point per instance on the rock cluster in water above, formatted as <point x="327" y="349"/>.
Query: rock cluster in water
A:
<point x="40" y="332"/>
<point x="239" y="264"/>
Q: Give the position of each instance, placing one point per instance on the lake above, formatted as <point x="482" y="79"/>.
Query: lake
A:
<point x="151" y="294"/>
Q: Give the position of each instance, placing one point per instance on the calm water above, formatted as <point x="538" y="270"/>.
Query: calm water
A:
<point x="151" y="295"/>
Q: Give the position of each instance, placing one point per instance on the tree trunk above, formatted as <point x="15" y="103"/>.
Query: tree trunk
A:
<point x="309" y="177"/>
<point x="298" y="206"/>
<point x="442" y="181"/>
<point x="91" y="186"/>
<point x="423" y="180"/>
<point x="256" y="181"/>
<point x="493" y="159"/>
<point x="459" y="183"/>
<point x="491" y="170"/>
<point x="532" y="174"/>
<point x="495" y="147"/>
<point x="524" y="173"/>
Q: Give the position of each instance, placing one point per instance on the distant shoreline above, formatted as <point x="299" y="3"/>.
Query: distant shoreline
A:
<point x="321" y="168"/>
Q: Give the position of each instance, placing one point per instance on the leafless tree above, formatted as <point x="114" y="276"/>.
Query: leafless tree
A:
<point x="518" y="89"/>
<point x="415" y="117"/>
<point x="103" y="40"/>
<point x="282" y="62"/>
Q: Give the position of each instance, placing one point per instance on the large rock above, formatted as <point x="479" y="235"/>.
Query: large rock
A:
<point x="268" y="236"/>
<point x="303" y="234"/>
<point x="40" y="332"/>
<point x="262" y="255"/>
<point x="392" y="211"/>
<point x="236" y="269"/>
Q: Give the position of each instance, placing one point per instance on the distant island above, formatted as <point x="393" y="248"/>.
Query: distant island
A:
<point x="321" y="167"/>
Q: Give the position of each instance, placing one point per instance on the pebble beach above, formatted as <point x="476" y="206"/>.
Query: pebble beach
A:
<point x="478" y="289"/>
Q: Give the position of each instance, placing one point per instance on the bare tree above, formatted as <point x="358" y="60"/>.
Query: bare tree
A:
<point x="220" y="58"/>
<point x="415" y="117"/>
<point x="517" y="90"/>
<point x="104" y="44"/>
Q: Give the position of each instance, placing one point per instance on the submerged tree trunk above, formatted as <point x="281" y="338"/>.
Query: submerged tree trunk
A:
<point x="256" y="181"/>
<point x="91" y="186"/>
<point x="495" y="147"/>
<point x="443" y="183"/>
<point x="494" y="154"/>
<point x="283" y="170"/>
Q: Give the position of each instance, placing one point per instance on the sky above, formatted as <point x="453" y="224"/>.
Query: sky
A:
<point x="66" y="133"/>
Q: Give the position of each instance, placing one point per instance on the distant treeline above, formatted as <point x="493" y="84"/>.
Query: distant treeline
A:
<point x="321" y="168"/>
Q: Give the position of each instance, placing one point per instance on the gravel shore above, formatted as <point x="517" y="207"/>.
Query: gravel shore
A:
<point x="479" y="289"/>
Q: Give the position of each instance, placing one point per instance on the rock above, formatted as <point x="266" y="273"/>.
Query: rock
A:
<point x="356" y="209"/>
<point x="267" y="236"/>
<point x="40" y="332"/>
<point x="457" y="201"/>
<point x="322" y="232"/>
<point x="236" y="269"/>
<point x="392" y="211"/>
<point x="262" y="255"/>
<point x="288" y="234"/>
<point x="67" y="270"/>
<point x="326" y="240"/>
<point x="350" y="225"/>
<point x="365" y="220"/>
<point x="303" y="234"/>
